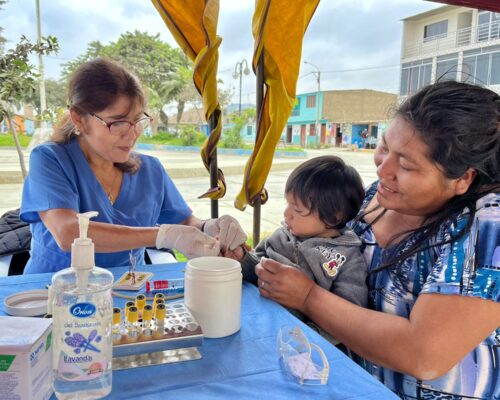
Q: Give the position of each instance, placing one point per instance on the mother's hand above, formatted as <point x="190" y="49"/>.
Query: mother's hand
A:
<point x="287" y="285"/>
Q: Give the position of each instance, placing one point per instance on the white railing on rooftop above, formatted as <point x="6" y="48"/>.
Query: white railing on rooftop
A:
<point x="453" y="40"/>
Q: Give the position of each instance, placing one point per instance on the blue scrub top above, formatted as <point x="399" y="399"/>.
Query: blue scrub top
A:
<point x="60" y="177"/>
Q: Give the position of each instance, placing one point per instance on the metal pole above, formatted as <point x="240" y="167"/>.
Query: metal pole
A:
<point x="241" y="78"/>
<point x="259" y="101"/>
<point x="43" y="103"/>
<point x="318" y="92"/>
<point x="238" y="73"/>
<point x="214" y="181"/>
<point x="318" y="130"/>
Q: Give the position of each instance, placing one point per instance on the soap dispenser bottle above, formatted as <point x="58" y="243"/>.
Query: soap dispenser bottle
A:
<point x="82" y="317"/>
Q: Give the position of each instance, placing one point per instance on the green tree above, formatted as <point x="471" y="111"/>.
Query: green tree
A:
<point x="55" y="95"/>
<point x="190" y="136"/>
<point x="225" y="95"/>
<point x="232" y="137"/>
<point x="94" y="50"/>
<point x="19" y="79"/>
<point x="162" y="69"/>
<point x="153" y="60"/>
<point x="180" y="88"/>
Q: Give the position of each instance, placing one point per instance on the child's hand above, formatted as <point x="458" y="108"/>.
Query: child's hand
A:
<point x="237" y="254"/>
<point x="287" y="285"/>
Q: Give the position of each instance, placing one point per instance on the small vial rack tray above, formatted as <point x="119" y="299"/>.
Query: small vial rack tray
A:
<point x="181" y="330"/>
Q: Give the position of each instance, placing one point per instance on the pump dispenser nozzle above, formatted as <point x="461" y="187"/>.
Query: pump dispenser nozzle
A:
<point x="83" y="222"/>
<point x="82" y="250"/>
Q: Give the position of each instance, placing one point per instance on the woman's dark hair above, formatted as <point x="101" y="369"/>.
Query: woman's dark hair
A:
<point x="460" y="123"/>
<point x="94" y="86"/>
<point x="328" y="186"/>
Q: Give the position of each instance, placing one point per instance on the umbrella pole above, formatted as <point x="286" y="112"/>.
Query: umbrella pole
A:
<point x="214" y="181"/>
<point x="259" y="101"/>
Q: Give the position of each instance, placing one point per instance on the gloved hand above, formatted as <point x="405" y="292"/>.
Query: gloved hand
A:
<point x="227" y="229"/>
<point x="189" y="240"/>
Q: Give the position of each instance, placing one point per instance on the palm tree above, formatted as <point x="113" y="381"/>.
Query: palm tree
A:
<point x="180" y="87"/>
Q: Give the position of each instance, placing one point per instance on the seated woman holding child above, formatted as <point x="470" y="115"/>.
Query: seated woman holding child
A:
<point x="430" y="228"/>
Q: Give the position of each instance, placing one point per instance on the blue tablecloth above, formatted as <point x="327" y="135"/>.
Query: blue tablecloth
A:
<point x="242" y="366"/>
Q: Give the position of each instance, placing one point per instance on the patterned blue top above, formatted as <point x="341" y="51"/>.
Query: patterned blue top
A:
<point x="448" y="269"/>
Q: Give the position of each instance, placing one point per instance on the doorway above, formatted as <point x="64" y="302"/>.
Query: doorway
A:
<point x="289" y="135"/>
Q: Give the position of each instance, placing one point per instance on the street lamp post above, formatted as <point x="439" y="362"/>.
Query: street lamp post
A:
<point x="318" y="79"/>
<point x="43" y="103"/>
<point x="238" y="73"/>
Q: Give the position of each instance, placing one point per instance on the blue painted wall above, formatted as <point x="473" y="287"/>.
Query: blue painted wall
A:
<point x="301" y="114"/>
<point x="205" y="129"/>
<point x="30" y="126"/>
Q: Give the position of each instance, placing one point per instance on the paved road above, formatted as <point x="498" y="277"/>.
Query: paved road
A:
<point x="181" y="165"/>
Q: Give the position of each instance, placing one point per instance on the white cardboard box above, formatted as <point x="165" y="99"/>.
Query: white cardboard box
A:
<point x="25" y="358"/>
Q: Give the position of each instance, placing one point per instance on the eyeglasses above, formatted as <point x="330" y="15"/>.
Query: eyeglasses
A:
<point x="302" y="360"/>
<point x="121" y="128"/>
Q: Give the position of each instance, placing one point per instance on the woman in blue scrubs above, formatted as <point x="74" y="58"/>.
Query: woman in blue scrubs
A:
<point x="89" y="165"/>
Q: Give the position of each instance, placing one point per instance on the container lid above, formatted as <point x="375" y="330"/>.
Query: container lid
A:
<point x="214" y="264"/>
<point x="117" y="315"/>
<point x="147" y="313"/>
<point x="160" y="311"/>
<point x="140" y="301"/>
<point x="31" y="303"/>
<point x="132" y="315"/>
<point x="32" y="329"/>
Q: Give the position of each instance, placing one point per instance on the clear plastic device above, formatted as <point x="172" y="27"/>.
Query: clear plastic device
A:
<point x="302" y="360"/>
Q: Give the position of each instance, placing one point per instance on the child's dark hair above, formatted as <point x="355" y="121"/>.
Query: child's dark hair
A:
<point x="328" y="186"/>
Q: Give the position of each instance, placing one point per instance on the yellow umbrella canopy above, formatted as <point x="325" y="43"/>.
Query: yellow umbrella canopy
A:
<point x="278" y="28"/>
<point x="193" y="23"/>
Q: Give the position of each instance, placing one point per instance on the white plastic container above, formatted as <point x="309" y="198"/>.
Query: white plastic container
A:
<point x="25" y="358"/>
<point x="212" y="292"/>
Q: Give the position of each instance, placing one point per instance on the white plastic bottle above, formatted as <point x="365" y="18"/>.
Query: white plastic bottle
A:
<point x="82" y="318"/>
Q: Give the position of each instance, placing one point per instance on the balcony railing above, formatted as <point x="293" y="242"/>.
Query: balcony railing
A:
<point x="453" y="40"/>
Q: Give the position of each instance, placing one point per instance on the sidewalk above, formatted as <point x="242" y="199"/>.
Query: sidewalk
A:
<point x="182" y="164"/>
<point x="179" y="164"/>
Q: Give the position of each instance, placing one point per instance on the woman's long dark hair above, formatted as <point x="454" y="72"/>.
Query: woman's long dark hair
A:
<point x="460" y="123"/>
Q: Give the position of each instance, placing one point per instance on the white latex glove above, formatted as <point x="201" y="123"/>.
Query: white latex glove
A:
<point x="189" y="240"/>
<point x="227" y="229"/>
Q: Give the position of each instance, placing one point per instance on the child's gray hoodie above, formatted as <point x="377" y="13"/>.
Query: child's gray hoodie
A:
<point x="336" y="264"/>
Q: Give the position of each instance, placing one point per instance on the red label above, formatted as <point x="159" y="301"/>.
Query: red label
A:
<point x="160" y="284"/>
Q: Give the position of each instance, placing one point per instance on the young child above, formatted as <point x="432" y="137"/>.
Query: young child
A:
<point x="322" y="194"/>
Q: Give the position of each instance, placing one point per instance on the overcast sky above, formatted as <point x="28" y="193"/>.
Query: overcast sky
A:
<point x="355" y="43"/>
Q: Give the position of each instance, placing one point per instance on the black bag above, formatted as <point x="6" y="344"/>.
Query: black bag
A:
<point x="15" y="238"/>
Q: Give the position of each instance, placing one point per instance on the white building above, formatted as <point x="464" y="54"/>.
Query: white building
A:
<point x="450" y="42"/>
